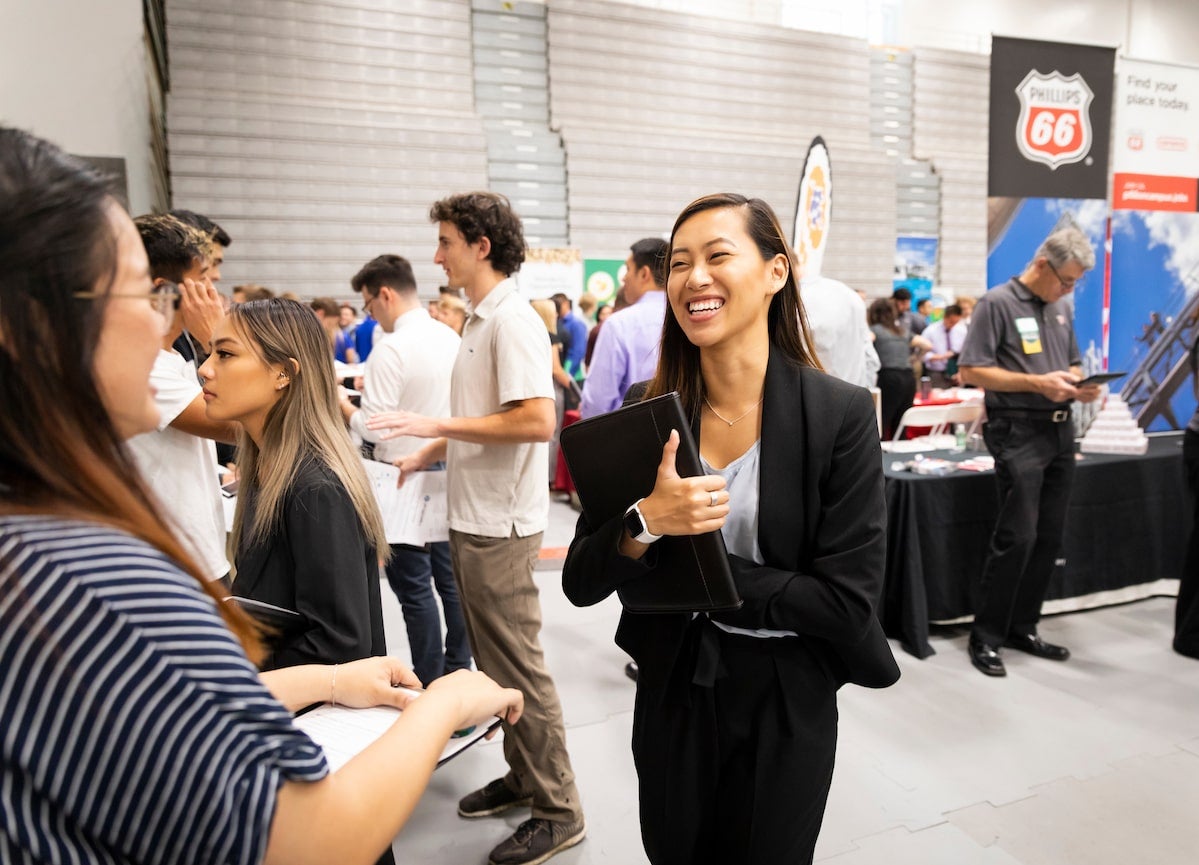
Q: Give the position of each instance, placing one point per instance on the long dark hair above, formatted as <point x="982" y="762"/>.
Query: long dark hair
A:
<point x="678" y="363"/>
<point x="59" y="450"/>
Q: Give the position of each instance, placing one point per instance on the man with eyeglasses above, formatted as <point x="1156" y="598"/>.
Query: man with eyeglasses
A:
<point x="1021" y="349"/>
<point x="178" y="460"/>
<point x="409" y="370"/>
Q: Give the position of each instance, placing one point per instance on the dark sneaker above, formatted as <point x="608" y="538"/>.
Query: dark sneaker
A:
<point x="495" y="798"/>
<point x="536" y="840"/>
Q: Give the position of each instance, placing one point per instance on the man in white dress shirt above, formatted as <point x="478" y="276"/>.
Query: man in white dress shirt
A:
<point x="947" y="337"/>
<point x="409" y="370"/>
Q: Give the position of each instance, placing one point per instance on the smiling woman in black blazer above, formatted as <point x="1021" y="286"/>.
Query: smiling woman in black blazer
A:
<point x="735" y="727"/>
<point x="307" y="529"/>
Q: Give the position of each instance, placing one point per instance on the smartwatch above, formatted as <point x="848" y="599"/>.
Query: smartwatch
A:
<point x="634" y="523"/>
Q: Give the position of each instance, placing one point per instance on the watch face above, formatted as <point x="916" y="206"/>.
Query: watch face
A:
<point x="633" y="523"/>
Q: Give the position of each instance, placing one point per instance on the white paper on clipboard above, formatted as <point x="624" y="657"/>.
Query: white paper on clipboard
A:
<point x="414" y="514"/>
<point x="343" y="733"/>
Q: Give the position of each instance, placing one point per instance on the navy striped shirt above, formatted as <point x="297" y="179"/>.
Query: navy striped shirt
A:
<point x="132" y="726"/>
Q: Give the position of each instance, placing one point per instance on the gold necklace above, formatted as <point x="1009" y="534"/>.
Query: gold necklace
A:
<point x="738" y="417"/>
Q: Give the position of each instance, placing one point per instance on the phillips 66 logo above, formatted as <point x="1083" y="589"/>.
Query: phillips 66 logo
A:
<point x="1055" y="118"/>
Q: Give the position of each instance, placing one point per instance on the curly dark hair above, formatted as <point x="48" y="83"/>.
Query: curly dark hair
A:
<point x="490" y="215"/>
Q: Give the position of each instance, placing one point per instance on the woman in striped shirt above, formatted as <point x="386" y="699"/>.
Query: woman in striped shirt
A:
<point x="133" y="724"/>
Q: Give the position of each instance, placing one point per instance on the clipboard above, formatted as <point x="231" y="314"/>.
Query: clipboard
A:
<point x="282" y="623"/>
<point x="613" y="460"/>
<point x="1100" y="378"/>
<point x="343" y="732"/>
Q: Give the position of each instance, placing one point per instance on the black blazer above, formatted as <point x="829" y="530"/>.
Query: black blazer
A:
<point x="822" y="529"/>
<point x="319" y="564"/>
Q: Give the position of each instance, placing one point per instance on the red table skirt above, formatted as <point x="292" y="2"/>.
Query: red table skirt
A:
<point x="562" y="479"/>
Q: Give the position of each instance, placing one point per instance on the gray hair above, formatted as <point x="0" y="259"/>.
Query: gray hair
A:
<point x="1066" y="245"/>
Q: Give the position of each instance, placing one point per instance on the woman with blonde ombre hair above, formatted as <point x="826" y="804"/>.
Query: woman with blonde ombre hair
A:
<point x="451" y="311"/>
<point x="307" y="531"/>
<point x="564" y="386"/>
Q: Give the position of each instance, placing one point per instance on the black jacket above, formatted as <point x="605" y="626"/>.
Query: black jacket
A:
<point x="319" y="564"/>
<point x="821" y="527"/>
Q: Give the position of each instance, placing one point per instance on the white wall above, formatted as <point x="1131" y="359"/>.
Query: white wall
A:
<point x="1152" y="29"/>
<point x="318" y="133"/>
<point x="1157" y="29"/>
<point x="74" y="71"/>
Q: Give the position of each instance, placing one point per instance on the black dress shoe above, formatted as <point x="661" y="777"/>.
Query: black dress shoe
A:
<point x="986" y="658"/>
<point x="630" y="670"/>
<point x="1034" y="645"/>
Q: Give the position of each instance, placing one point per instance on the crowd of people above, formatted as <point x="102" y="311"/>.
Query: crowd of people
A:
<point x="137" y="724"/>
<point x="911" y="347"/>
<point x="127" y="608"/>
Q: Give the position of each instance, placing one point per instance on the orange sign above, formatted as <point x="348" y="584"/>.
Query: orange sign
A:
<point x="1154" y="192"/>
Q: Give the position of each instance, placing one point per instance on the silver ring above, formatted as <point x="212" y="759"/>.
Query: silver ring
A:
<point x="713" y="497"/>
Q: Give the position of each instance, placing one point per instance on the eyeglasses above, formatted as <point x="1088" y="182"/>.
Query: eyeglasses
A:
<point x="164" y="298"/>
<point x="370" y="298"/>
<point x="1065" y="281"/>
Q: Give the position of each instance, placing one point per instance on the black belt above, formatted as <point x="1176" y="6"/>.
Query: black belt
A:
<point x="1049" y="415"/>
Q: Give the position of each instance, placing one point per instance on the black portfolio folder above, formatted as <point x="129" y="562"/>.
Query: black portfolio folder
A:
<point x="613" y="460"/>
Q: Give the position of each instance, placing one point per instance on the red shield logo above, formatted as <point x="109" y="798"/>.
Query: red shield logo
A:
<point x="1055" y="118"/>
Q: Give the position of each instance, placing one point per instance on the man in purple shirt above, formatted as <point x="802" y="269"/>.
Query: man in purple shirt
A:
<point x="626" y="350"/>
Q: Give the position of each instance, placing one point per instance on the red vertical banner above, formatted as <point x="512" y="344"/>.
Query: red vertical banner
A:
<point x="1107" y="293"/>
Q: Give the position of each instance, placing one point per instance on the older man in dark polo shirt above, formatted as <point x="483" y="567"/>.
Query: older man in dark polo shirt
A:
<point x="1021" y="349"/>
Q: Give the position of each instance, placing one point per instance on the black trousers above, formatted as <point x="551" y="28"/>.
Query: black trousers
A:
<point x="1186" y="613"/>
<point x="742" y="773"/>
<point x="1034" y="465"/>
<point x="897" y="392"/>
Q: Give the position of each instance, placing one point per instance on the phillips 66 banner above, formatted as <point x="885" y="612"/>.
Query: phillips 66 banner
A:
<point x="1051" y="112"/>
<point x="1051" y="115"/>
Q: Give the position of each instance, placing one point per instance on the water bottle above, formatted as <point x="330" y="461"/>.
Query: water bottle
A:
<point x="926" y="387"/>
<point x="959" y="437"/>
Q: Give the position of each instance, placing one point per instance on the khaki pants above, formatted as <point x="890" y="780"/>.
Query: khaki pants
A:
<point x="503" y="620"/>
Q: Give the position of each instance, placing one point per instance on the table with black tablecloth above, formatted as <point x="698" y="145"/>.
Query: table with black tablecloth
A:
<point x="1127" y="526"/>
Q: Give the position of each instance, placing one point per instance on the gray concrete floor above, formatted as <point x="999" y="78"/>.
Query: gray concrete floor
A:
<point x="1094" y="761"/>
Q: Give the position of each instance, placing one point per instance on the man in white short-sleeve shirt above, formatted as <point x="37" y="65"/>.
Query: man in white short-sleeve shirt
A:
<point x="502" y="402"/>
<point x="178" y="460"/>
